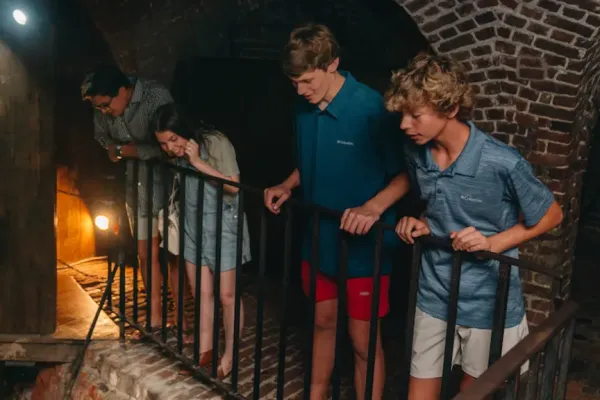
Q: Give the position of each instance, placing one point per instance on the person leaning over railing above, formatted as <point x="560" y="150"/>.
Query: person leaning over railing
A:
<point x="479" y="192"/>
<point x="347" y="146"/>
<point x="123" y="106"/>
<point x="202" y="148"/>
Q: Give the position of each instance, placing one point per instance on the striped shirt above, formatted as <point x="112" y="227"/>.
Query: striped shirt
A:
<point x="133" y="127"/>
<point x="488" y="187"/>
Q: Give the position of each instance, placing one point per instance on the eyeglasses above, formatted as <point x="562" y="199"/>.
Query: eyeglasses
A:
<point x="103" y="106"/>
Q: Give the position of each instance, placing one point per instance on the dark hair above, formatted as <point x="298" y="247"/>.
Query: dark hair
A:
<point x="309" y="47"/>
<point x="104" y="80"/>
<point x="173" y="117"/>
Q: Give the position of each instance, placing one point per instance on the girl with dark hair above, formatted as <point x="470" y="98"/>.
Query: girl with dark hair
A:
<point x="202" y="148"/>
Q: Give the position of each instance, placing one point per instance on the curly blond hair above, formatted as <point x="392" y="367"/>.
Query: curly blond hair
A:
<point x="431" y="81"/>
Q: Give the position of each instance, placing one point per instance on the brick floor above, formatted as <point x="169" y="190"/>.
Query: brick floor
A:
<point x="584" y="377"/>
<point x="92" y="277"/>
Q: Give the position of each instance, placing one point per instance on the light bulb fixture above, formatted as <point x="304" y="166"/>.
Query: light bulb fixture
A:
<point x="20" y="17"/>
<point x="101" y="222"/>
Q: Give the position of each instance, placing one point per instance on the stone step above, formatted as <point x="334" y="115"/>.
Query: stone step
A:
<point x="143" y="372"/>
<point x="90" y="384"/>
<point x="52" y="382"/>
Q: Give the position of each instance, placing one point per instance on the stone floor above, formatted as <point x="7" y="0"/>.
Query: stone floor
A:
<point x="584" y="378"/>
<point x="92" y="277"/>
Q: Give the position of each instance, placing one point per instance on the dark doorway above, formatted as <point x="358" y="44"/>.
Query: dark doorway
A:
<point x="585" y="271"/>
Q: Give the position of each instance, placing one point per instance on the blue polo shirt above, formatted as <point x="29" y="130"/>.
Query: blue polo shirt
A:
<point x="488" y="187"/>
<point x="346" y="154"/>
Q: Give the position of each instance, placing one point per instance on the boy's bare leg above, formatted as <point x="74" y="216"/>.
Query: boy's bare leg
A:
<point x="156" y="277"/>
<point x="174" y="278"/>
<point x="323" y="354"/>
<point x="359" y="332"/>
<point x="424" y="389"/>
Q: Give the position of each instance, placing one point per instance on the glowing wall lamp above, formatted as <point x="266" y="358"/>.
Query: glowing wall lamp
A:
<point x="101" y="222"/>
<point x="20" y="17"/>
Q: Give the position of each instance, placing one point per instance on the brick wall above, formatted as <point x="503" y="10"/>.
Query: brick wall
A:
<point x="534" y="66"/>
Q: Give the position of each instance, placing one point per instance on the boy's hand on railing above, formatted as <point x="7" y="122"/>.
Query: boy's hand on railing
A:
<point x="470" y="239"/>
<point x="359" y="220"/>
<point x="275" y="197"/>
<point x="410" y="228"/>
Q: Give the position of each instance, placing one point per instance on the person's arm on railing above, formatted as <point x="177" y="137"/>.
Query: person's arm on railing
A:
<point x="359" y="220"/>
<point x="154" y="98"/>
<point x="521" y="233"/>
<point x="102" y="136"/>
<point x="141" y="151"/>
<point x="410" y="228"/>
<point x="539" y="212"/>
<point x="193" y="152"/>
<point x="281" y="192"/>
<point x="388" y="142"/>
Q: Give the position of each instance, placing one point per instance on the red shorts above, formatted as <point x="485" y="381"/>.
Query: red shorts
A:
<point x="359" y="293"/>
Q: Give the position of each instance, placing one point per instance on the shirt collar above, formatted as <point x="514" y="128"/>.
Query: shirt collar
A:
<point x="467" y="162"/>
<point x="343" y="96"/>
<point x="138" y="87"/>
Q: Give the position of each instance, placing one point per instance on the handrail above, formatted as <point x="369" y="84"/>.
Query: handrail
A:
<point x="510" y="362"/>
<point x="432" y="240"/>
<point x="495" y="376"/>
<point x="488" y="255"/>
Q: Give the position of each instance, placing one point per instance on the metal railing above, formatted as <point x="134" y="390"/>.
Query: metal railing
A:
<point x="501" y="378"/>
<point x="547" y="347"/>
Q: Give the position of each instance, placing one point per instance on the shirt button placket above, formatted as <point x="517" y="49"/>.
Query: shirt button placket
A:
<point x="438" y="189"/>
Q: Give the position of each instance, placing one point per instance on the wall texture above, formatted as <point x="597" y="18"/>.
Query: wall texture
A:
<point x="27" y="193"/>
<point x="75" y="238"/>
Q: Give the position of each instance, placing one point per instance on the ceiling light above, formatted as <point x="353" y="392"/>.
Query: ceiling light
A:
<point x="20" y="17"/>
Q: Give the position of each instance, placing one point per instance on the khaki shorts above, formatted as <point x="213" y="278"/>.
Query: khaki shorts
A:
<point x="471" y="346"/>
<point x="142" y="224"/>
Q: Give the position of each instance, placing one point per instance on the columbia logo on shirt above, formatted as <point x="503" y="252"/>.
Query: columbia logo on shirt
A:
<point x="345" y="143"/>
<point x="469" y="198"/>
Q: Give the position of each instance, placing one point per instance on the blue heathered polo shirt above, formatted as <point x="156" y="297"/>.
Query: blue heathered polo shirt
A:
<point x="346" y="154"/>
<point x="487" y="187"/>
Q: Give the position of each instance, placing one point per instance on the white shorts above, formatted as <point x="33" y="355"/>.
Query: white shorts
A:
<point x="471" y="346"/>
<point x="142" y="224"/>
